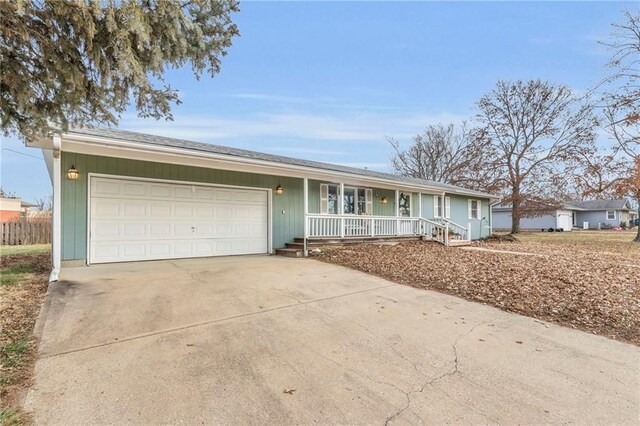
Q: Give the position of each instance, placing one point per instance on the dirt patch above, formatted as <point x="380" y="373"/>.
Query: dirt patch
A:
<point x="594" y="293"/>
<point x="22" y="290"/>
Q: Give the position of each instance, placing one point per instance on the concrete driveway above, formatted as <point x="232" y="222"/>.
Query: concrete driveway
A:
<point x="254" y="340"/>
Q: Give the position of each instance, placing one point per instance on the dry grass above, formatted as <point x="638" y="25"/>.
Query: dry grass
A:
<point x="23" y="284"/>
<point x="584" y="280"/>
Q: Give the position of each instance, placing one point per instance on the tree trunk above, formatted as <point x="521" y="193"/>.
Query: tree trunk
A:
<point x="637" y="238"/>
<point x="515" y="213"/>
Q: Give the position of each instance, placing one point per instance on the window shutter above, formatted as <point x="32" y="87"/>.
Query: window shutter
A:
<point x="324" y="198"/>
<point x="447" y="207"/>
<point x="469" y="204"/>
<point x="436" y="199"/>
<point x="368" y="198"/>
<point x="479" y="210"/>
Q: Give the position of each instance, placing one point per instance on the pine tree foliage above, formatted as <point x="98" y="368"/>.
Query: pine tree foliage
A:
<point x="68" y="62"/>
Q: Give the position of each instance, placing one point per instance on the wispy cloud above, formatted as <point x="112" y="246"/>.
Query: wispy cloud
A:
<point x="265" y="97"/>
<point x="345" y="127"/>
<point x="302" y="150"/>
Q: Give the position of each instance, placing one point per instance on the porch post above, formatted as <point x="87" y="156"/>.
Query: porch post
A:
<point x="341" y="209"/>
<point x="56" y="225"/>
<point x="469" y="230"/>
<point x="419" y="204"/>
<point x="397" y="212"/>
<point x="305" y="194"/>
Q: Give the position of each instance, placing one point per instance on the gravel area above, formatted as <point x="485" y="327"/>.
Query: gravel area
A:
<point x="585" y="285"/>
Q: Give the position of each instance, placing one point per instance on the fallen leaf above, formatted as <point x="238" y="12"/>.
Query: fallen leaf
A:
<point x="289" y="391"/>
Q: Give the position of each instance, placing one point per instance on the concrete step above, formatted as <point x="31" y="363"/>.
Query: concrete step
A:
<point x="458" y="243"/>
<point x="289" y="252"/>
<point x="299" y="246"/>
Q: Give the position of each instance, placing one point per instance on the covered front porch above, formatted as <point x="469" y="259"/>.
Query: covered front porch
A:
<point x="347" y="211"/>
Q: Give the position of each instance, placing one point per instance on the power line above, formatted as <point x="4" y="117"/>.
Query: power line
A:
<point x="22" y="153"/>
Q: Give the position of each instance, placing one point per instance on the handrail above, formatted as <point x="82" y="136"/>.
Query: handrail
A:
<point x="459" y="232"/>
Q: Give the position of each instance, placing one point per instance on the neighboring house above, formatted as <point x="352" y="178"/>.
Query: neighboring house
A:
<point x="603" y="213"/>
<point x="13" y="209"/>
<point x="591" y="214"/>
<point x="122" y="196"/>
<point x="560" y="219"/>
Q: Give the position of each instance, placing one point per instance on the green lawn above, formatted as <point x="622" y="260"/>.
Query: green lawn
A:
<point x="32" y="249"/>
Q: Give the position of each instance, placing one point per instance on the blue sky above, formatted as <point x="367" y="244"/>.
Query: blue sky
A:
<point x="328" y="81"/>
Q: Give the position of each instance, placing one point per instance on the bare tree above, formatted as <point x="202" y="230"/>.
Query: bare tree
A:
<point x="44" y="203"/>
<point x="626" y="150"/>
<point x="447" y="154"/>
<point x="536" y="128"/>
<point x="594" y="174"/>
<point x="622" y="100"/>
<point x="622" y="86"/>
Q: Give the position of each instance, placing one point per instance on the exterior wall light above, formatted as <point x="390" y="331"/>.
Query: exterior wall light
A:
<point x="384" y="200"/>
<point x="279" y="190"/>
<point x="72" y="173"/>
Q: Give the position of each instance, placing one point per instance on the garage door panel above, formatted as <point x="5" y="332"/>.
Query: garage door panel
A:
<point x="105" y="187"/>
<point x="183" y="192"/>
<point x="104" y="208"/>
<point x="201" y="193"/>
<point x="204" y="212"/>
<point x="160" y="210"/>
<point x="151" y="220"/>
<point x="105" y="230"/>
<point x="160" y="191"/>
<point x="183" y="211"/>
<point x="134" y="209"/>
<point x="134" y="189"/>
<point x="223" y="195"/>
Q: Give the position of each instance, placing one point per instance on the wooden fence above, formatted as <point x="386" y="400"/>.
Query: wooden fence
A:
<point x="25" y="233"/>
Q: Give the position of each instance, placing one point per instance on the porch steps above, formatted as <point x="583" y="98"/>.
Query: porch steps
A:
<point x="459" y="243"/>
<point x="290" y="252"/>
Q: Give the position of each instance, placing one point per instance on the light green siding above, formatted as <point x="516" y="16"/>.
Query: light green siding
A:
<point x="379" y="209"/>
<point x="460" y="213"/>
<point x="287" y="209"/>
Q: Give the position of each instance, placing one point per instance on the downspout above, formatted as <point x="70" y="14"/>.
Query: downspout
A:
<point x="56" y="243"/>
<point x="305" y="192"/>
<point x="491" y="215"/>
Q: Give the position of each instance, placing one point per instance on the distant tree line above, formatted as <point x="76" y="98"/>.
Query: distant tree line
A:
<point x="535" y="142"/>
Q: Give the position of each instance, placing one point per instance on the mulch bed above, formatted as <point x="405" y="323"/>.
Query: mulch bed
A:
<point x="592" y="293"/>
<point x="20" y="305"/>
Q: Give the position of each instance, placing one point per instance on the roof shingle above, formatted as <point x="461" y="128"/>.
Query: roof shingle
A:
<point x="144" y="138"/>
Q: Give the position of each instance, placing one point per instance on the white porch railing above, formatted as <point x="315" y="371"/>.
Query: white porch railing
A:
<point x="344" y="226"/>
<point x="455" y="232"/>
<point x="341" y="226"/>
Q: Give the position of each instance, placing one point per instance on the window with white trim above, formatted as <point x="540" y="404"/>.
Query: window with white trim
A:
<point x="437" y="206"/>
<point x="447" y="207"/>
<point x="354" y="200"/>
<point x="404" y="204"/>
<point x="611" y="215"/>
<point x="474" y="209"/>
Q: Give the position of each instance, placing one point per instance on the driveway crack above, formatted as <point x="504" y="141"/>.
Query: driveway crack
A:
<point x="454" y="371"/>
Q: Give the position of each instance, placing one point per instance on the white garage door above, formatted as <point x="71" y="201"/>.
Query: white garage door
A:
<point x="146" y="220"/>
<point x="565" y="221"/>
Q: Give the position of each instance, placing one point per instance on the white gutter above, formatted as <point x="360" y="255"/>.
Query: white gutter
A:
<point x="56" y="180"/>
<point x="144" y="147"/>
<point x="491" y="215"/>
